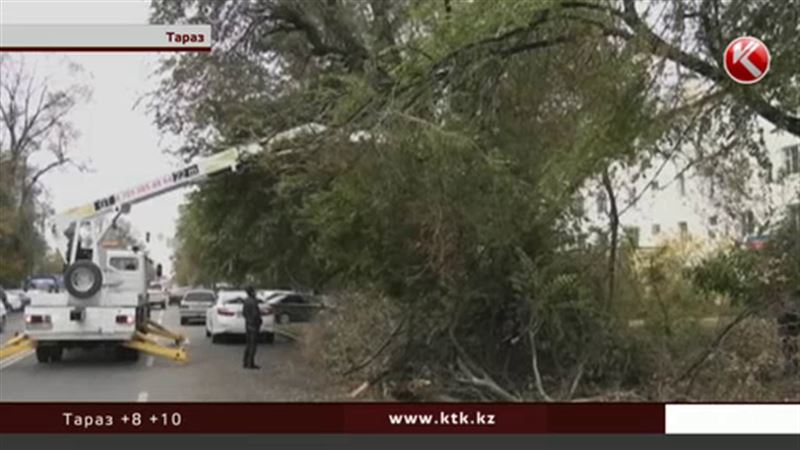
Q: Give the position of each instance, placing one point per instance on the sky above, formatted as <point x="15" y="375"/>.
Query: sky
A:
<point x="118" y="142"/>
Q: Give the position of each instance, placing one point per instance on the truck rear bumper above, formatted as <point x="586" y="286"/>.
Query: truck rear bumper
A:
<point x="48" y="336"/>
<point x="94" y="324"/>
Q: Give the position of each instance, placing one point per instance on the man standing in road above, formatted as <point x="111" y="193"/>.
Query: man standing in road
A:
<point x="252" y="324"/>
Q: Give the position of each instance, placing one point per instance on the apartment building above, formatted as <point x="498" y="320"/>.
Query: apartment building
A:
<point x="670" y="201"/>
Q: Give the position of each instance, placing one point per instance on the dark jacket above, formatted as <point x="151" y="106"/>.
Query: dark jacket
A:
<point x="251" y="313"/>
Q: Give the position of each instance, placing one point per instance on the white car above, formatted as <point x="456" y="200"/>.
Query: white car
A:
<point x="195" y="304"/>
<point x="176" y="293"/>
<point x="225" y="317"/>
<point x="2" y="317"/>
<point x="157" y="296"/>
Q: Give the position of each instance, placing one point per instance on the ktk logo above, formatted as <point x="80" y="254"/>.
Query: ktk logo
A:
<point x="746" y="60"/>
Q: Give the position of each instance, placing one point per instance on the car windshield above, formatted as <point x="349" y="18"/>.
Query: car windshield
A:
<point x="200" y="297"/>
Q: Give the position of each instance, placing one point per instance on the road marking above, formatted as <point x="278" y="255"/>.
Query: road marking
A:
<point x="142" y="398"/>
<point x="15" y="359"/>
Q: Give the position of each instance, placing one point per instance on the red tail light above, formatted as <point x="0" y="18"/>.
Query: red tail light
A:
<point x="125" y="320"/>
<point x="34" y="319"/>
<point x="225" y="312"/>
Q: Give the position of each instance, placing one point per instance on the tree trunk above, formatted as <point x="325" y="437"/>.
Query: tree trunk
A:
<point x="613" y="217"/>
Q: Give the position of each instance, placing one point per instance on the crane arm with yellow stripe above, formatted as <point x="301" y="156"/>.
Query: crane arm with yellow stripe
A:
<point x="195" y="172"/>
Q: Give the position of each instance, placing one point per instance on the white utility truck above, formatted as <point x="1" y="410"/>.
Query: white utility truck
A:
<point x="106" y="300"/>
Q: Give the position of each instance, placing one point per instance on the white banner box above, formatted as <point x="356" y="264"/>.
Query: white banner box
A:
<point x="733" y="419"/>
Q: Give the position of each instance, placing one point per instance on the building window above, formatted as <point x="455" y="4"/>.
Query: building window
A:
<point x="792" y="158"/>
<point x="655" y="230"/>
<point x="794" y="215"/>
<point x="632" y="194"/>
<point x="632" y="235"/>
<point x="578" y="205"/>
<point x="748" y="223"/>
<point x="602" y="203"/>
<point x="684" y="228"/>
<point x="682" y="185"/>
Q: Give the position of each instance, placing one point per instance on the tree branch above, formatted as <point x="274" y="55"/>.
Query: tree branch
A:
<point x="748" y="96"/>
<point x="380" y="349"/>
<point x="536" y="45"/>
<point x="535" y="367"/>
<point x="469" y="367"/>
<point x="691" y="371"/>
<point x="41" y="172"/>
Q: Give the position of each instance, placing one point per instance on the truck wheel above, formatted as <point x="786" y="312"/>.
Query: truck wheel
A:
<point x="284" y="319"/>
<point x="83" y="279"/>
<point x="127" y="354"/>
<point x="42" y="354"/>
<point x="133" y="355"/>
<point x="56" y="353"/>
<point x="216" y="339"/>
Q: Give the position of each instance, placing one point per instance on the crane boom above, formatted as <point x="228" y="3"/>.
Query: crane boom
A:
<point x="192" y="173"/>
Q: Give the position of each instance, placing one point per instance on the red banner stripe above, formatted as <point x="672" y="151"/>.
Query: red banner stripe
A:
<point x="639" y="418"/>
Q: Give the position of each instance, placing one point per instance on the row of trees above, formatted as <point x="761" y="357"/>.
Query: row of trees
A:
<point x="35" y="138"/>
<point x="437" y="190"/>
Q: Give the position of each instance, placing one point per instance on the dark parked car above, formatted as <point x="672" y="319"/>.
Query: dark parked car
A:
<point x="44" y="283"/>
<point x="293" y="307"/>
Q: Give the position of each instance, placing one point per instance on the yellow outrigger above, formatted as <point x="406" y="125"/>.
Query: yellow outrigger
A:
<point x="147" y="340"/>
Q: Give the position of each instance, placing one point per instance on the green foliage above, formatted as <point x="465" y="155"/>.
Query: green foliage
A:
<point x="734" y="272"/>
<point x="757" y="278"/>
<point x="444" y="186"/>
<point x="21" y="246"/>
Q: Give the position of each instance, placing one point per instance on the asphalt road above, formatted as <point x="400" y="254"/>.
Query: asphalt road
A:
<point x="213" y="373"/>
